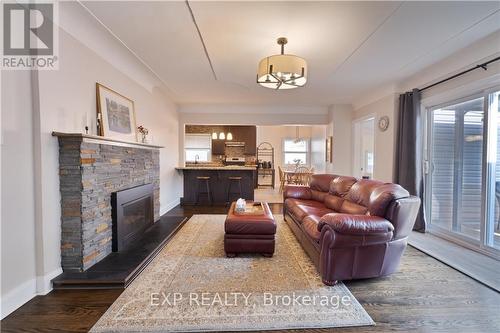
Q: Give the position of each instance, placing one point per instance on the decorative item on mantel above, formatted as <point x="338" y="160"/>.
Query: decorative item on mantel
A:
<point x="144" y="133"/>
<point x="115" y="114"/>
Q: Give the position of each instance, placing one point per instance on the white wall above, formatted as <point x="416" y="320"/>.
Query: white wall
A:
<point x="18" y="272"/>
<point x="340" y="127"/>
<point x="252" y="115"/>
<point x="64" y="99"/>
<point x="383" y="168"/>
<point x="476" y="53"/>
<point x="318" y="148"/>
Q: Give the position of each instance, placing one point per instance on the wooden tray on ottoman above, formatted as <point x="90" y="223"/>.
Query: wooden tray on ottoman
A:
<point x="252" y="208"/>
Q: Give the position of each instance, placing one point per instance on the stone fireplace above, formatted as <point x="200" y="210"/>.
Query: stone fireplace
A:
<point x="93" y="169"/>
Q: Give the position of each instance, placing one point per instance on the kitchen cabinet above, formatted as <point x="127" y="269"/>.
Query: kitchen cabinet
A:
<point x="248" y="135"/>
<point x="250" y="140"/>
<point x="218" y="147"/>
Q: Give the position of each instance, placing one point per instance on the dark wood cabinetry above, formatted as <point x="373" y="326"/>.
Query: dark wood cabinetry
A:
<point x="218" y="147"/>
<point x="246" y="134"/>
<point x="251" y="140"/>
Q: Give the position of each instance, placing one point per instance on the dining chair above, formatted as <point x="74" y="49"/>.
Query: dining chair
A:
<point x="282" y="178"/>
<point x="301" y="175"/>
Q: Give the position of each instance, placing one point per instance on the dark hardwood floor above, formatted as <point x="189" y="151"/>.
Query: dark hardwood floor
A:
<point x="424" y="296"/>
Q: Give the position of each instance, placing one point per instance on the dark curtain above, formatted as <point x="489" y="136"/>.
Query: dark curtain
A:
<point x="409" y="150"/>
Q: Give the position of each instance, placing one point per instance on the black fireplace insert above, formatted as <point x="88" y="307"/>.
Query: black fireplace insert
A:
<point x="132" y="212"/>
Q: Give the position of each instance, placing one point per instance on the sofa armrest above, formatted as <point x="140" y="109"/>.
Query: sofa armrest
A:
<point x="297" y="192"/>
<point x="355" y="224"/>
<point x="347" y="231"/>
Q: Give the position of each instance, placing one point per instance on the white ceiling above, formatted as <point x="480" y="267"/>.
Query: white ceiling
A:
<point x="351" y="48"/>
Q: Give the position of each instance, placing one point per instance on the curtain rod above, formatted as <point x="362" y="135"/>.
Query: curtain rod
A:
<point x="483" y="66"/>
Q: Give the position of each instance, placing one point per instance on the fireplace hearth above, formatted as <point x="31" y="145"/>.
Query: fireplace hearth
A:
<point x="132" y="213"/>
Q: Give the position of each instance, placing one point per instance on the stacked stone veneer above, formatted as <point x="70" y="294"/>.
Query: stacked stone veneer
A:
<point x="89" y="172"/>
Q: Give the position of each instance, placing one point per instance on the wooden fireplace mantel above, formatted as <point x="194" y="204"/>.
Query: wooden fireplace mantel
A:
<point x="105" y="140"/>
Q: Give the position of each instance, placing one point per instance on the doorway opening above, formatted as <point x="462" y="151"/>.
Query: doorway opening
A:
<point x="364" y="147"/>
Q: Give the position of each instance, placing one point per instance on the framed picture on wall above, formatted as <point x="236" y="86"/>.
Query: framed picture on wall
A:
<point x="116" y="114"/>
<point x="328" y="149"/>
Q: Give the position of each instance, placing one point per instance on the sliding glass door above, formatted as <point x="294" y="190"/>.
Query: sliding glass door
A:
<point x="463" y="171"/>
<point x="492" y="223"/>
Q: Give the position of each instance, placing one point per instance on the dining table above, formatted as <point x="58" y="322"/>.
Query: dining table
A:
<point x="294" y="177"/>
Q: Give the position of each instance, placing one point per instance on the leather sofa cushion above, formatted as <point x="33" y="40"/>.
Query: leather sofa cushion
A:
<point x="356" y="224"/>
<point x="341" y="185"/>
<point x="301" y="211"/>
<point x="374" y="195"/>
<point x="297" y="213"/>
<point x="361" y="191"/>
<point x="310" y="227"/>
<point x="383" y="195"/>
<point x="333" y="202"/>
<point x="297" y="192"/>
<point x="318" y="211"/>
<point x="321" y="182"/>
<point x="291" y="202"/>
<point x="318" y="195"/>
<point x="352" y="208"/>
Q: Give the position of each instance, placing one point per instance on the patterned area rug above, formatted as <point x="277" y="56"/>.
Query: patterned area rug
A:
<point x="191" y="286"/>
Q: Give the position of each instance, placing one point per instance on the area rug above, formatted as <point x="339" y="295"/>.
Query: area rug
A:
<point x="192" y="287"/>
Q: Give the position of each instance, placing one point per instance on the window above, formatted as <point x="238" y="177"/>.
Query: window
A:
<point x="296" y="152"/>
<point x="198" y="147"/>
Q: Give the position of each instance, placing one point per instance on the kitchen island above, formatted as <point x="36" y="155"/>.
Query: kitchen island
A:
<point x="219" y="182"/>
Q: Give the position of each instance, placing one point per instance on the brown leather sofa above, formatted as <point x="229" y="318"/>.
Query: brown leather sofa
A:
<point x="351" y="228"/>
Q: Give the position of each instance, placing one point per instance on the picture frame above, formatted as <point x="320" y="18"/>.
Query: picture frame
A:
<point x="115" y="114"/>
<point x="329" y="149"/>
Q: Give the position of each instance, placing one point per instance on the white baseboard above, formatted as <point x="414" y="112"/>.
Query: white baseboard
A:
<point x="169" y="206"/>
<point x="43" y="284"/>
<point x="17" y="297"/>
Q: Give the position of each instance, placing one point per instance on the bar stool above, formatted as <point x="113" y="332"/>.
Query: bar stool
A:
<point x="236" y="181"/>
<point x="203" y="188"/>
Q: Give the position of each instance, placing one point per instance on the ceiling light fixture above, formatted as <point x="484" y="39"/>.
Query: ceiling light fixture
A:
<point x="222" y="136"/>
<point x="282" y="71"/>
<point x="214" y="136"/>
<point x="229" y="136"/>
<point x="298" y="139"/>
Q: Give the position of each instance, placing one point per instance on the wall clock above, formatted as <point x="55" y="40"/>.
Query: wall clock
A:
<point x="383" y="123"/>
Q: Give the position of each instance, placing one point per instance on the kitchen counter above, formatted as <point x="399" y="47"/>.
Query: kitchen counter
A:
<point x="219" y="182"/>
<point x="219" y="167"/>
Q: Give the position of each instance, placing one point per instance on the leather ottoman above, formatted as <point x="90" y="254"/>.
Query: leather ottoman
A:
<point x="249" y="233"/>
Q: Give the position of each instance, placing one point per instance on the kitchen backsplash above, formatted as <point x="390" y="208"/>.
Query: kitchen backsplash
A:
<point x="235" y="151"/>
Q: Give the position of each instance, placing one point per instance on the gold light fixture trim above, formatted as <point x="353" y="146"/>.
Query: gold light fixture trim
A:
<point x="282" y="71"/>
